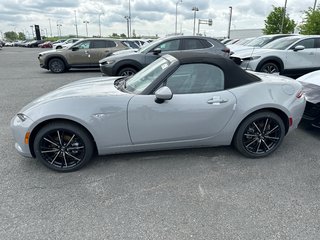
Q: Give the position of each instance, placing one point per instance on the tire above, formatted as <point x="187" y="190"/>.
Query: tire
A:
<point x="259" y="135"/>
<point x="63" y="146"/>
<point x="270" y="67"/>
<point x="56" y="65"/>
<point x="127" y="71"/>
<point x="59" y="47"/>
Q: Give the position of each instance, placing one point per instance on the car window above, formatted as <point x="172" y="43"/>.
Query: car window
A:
<point x="83" y="45"/>
<point x="307" y="43"/>
<point x="196" y="78"/>
<point x="98" y="44"/>
<point x="172" y="45"/>
<point x="110" y="44"/>
<point x="192" y="44"/>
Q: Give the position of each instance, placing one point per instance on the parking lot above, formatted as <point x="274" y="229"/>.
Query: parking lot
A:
<point x="210" y="193"/>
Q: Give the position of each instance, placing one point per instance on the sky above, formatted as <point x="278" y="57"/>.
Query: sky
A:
<point x="148" y="17"/>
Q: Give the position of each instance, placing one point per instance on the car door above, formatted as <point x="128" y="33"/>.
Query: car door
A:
<point x="166" y="47"/>
<point x="79" y="54"/>
<point x="302" y="59"/>
<point x="200" y="108"/>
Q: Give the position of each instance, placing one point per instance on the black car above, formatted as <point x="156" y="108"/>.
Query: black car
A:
<point x="34" y="43"/>
<point x="131" y="62"/>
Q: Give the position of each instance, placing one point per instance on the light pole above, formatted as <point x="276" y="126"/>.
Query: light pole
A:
<point x="86" y="22"/>
<point x="230" y="18"/>
<point x="128" y="19"/>
<point x="284" y="15"/>
<point x="195" y="10"/>
<point x="176" y="26"/>
<point x="315" y="5"/>
<point x="76" y="22"/>
<point x="59" y="25"/>
<point x="50" y="27"/>
<point x="99" y="15"/>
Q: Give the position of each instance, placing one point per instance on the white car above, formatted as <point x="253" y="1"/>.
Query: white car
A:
<point x="289" y="56"/>
<point x="66" y="43"/>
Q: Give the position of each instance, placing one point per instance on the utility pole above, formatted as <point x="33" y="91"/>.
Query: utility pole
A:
<point x="176" y="26"/>
<point x="76" y="22"/>
<point x="315" y="5"/>
<point x="128" y="27"/>
<point x="129" y="19"/>
<point x="230" y="19"/>
<point x="50" y="27"/>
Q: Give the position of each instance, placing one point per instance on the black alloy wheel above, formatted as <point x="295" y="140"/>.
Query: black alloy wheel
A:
<point x="270" y="67"/>
<point x="259" y="135"/>
<point x="63" y="146"/>
<point x="56" y="65"/>
<point x="127" y="72"/>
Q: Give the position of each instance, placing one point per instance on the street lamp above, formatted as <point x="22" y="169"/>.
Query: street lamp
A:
<point x="128" y="27"/>
<point x="315" y="5"/>
<point x="284" y="15"/>
<point x="99" y="15"/>
<point x="230" y="18"/>
<point x="195" y="10"/>
<point x="129" y="19"/>
<point x="86" y="22"/>
<point x="76" y="22"/>
<point x="176" y="26"/>
<point x="59" y="25"/>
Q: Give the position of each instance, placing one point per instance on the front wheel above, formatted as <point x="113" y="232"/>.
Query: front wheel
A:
<point x="269" y="67"/>
<point x="128" y="71"/>
<point x="56" y="65"/>
<point x="259" y="135"/>
<point x="63" y="146"/>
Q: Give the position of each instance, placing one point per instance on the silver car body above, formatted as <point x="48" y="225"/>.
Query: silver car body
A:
<point x="125" y="122"/>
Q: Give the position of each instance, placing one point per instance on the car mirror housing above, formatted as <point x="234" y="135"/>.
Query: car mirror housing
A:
<point x="162" y="94"/>
<point x="156" y="51"/>
<point x="298" y="48"/>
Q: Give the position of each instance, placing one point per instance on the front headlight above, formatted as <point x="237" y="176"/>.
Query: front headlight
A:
<point x="107" y="62"/>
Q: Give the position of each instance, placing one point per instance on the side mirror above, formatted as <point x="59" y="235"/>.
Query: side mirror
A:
<point x="156" y="51"/>
<point x="298" y="48"/>
<point x="74" y="48"/>
<point x="162" y="94"/>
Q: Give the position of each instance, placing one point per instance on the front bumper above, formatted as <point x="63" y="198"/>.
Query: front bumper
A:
<point x="107" y="69"/>
<point x="312" y="114"/>
<point x="19" y="130"/>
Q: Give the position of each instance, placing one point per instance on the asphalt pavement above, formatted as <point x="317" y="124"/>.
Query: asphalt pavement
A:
<point x="210" y="193"/>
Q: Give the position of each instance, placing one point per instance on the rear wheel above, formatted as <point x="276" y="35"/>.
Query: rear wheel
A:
<point x="128" y="71"/>
<point x="63" y="146"/>
<point x="56" y="65"/>
<point x="270" y="67"/>
<point x="259" y="135"/>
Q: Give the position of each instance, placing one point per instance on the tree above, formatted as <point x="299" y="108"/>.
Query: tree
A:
<point x="273" y="22"/>
<point x="122" y="35"/>
<point x="11" y="36"/>
<point x="21" y="36"/>
<point x="311" y="23"/>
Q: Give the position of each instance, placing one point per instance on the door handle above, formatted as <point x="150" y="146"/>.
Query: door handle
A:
<point x="217" y="100"/>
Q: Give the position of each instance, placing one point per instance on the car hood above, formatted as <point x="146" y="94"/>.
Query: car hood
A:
<point x="90" y="87"/>
<point x="246" y="53"/>
<point x="125" y="51"/>
<point x="311" y="86"/>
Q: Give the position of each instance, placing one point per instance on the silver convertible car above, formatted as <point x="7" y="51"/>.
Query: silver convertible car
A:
<point x="182" y="100"/>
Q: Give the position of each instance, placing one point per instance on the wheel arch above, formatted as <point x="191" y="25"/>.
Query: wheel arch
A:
<point x="272" y="59"/>
<point x="37" y="128"/>
<point x="127" y="63"/>
<point x="56" y="56"/>
<point x="277" y="111"/>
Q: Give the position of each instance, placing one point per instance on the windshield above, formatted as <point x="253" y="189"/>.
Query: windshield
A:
<point x="141" y="80"/>
<point x="281" y="44"/>
<point x="259" y="42"/>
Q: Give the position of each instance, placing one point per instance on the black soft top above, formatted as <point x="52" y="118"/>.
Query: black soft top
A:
<point x="235" y="76"/>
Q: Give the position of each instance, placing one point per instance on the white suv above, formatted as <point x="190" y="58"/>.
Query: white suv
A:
<point x="66" y="43"/>
<point x="289" y="56"/>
